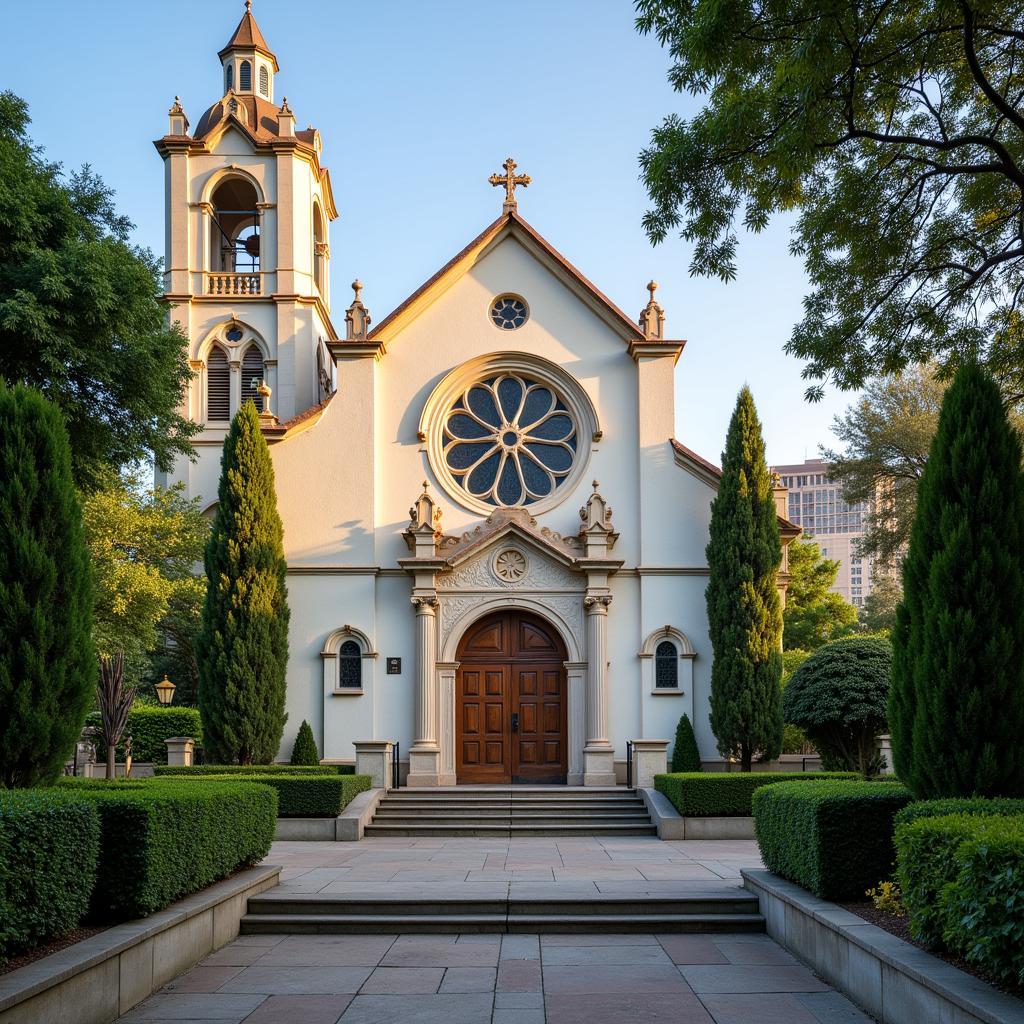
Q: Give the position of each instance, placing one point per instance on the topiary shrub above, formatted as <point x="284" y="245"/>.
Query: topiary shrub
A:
<point x="713" y="795"/>
<point x="834" y="838"/>
<point x="999" y="807"/>
<point x="162" y="839"/>
<point x="685" y="755"/>
<point x="307" y="796"/>
<point x="305" y="752"/>
<point x="838" y="696"/>
<point x="49" y="844"/>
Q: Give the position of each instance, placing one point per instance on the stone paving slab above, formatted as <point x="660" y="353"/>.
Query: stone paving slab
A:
<point x="499" y="979"/>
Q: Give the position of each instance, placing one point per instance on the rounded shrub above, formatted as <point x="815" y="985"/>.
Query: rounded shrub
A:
<point x="838" y="696"/>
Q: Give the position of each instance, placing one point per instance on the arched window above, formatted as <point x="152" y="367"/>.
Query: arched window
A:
<point x="252" y="370"/>
<point x="245" y="76"/>
<point x="218" y="385"/>
<point x="229" y="78"/>
<point x="264" y="80"/>
<point x="350" y="666"/>
<point x="319" y="248"/>
<point x="666" y="666"/>
<point x="235" y="238"/>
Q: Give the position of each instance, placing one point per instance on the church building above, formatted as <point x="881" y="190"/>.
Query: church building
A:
<point x="495" y="545"/>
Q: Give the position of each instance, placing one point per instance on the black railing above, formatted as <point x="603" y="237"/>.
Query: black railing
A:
<point x="629" y="764"/>
<point x="394" y="766"/>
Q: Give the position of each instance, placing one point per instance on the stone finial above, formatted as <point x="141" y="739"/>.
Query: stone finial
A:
<point x="263" y="390"/>
<point x="510" y="181"/>
<point x="597" y="533"/>
<point x="357" y="316"/>
<point x="424" y="530"/>
<point x="652" y="317"/>
<point x="178" y="119"/>
<point x="285" y="121"/>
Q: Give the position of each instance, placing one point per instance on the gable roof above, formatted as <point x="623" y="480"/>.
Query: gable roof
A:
<point x="711" y="474"/>
<point x="511" y="224"/>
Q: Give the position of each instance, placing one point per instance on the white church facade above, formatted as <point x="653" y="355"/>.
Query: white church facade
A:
<point x="495" y="546"/>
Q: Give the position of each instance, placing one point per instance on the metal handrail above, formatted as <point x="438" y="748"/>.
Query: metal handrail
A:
<point x="629" y="764"/>
<point x="394" y="765"/>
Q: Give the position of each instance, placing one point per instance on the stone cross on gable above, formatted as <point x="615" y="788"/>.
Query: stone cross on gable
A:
<point x="510" y="180"/>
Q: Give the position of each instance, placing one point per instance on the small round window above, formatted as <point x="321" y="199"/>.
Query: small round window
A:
<point x="509" y="312"/>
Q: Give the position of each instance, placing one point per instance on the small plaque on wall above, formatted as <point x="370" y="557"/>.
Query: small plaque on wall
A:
<point x="394" y="666"/>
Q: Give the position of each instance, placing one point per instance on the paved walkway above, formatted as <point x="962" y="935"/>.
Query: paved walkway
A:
<point x="503" y="979"/>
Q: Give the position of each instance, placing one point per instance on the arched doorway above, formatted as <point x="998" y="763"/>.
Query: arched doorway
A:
<point x="510" y="695"/>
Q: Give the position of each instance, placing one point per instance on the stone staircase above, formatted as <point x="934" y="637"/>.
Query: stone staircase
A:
<point x="278" y="912"/>
<point x="501" y="811"/>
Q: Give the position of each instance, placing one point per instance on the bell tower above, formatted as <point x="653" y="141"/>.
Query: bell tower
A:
<point x="248" y="204"/>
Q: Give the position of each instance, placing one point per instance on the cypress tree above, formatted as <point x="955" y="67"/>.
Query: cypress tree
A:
<point x="47" y="658"/>
<point x="305" y="751"/>
<point x="744" y="611"/>
<point x="242" y="647"/>
<point x="956" y="711"/>
<point x="685" y="755"/>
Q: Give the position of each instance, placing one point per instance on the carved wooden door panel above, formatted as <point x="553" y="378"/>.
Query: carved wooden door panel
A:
<point x="483" y="727"/>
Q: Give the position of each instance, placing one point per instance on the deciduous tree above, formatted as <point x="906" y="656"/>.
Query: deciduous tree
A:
<point x="744" y="611"/>
<point x="814" y="614"/>
<point x="893" y="132"/>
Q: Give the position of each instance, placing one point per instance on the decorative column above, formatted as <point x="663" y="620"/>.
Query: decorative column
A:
<point x="576" y="672"/>
<point x="598" y="754"/>
<point x="424" y="757"/>
<point x="446" y="671"/>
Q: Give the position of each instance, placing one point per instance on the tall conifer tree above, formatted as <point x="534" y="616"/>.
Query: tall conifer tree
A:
<point x="956" y="711"/>
<point x="744" y="611"/>
<point x="47" y="659"/>
<point x="242" y="648"/>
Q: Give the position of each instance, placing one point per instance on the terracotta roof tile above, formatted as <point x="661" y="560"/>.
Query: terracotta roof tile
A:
<point x="260" y="121"/>
<point x="248" y="37"/>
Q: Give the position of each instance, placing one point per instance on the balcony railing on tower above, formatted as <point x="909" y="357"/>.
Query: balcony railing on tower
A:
<point x="234" y="283"/>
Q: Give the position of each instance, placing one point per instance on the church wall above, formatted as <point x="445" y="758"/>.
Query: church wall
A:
<point x="624" y="685"/>
<point x="457" y="328"/>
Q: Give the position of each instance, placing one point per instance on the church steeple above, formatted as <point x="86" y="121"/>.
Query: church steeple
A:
<point x="249" y="63"/>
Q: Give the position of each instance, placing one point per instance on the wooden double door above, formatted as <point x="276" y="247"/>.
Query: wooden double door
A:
<point x="510" y="716"/>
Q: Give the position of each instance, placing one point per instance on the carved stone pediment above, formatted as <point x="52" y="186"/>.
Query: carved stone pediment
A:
<point x="510" y="563"/>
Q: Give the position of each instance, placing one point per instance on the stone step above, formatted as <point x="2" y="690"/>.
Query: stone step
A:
<point x="495" y="814"/>
<point x="360" y="924"/>
<point x="514" y="828"/>
<point x="523" y="805"/>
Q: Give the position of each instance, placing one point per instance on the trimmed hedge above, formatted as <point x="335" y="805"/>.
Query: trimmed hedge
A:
<point x="49" y="846"/>
<point x="254" y="769"/>
<point x="999" y="807"/>
<point x="162" y="839"/>
<point x="149" y="725"/>
<point x="833" y="837"/>
<point x="712" y="795"/>
<point x="309" y="795"/>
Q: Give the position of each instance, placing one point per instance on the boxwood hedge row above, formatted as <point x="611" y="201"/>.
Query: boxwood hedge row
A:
<point x="49" y="845"/>
<point x="833" y="837"/>
<point x="708" y="795"/>
<point x="194" y="771"/>
<point x="306" y="796"/>
<point x="149" y="726"/>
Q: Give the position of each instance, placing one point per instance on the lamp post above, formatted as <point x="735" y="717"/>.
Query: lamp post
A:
<point x="165" y="691"/>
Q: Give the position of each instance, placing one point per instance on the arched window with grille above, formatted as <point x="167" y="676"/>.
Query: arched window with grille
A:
<point x="218" y="386"/>
<point x="229" y="78"/>
<point x="666" y="666"/>
<point x="350" y="666"/>
<point x="245" y="76"/>
<point x="264" y="80"/>
<point x="252" y="370"/>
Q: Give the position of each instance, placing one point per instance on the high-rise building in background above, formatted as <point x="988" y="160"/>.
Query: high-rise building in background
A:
<point x="816" y="505"/>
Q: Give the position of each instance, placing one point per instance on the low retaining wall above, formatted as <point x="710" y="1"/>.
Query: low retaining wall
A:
<point x="891" y="979"/>
<point x="347" y="827"/>
<point x="98" y="979"/>
<point x="672" y="825"/>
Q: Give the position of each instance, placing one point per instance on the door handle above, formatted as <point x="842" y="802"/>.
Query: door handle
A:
<point x="515" y="721"/>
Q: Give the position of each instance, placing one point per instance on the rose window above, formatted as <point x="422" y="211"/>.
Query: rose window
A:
<point x="509" y="440"/>
<point x="508" y="312"/>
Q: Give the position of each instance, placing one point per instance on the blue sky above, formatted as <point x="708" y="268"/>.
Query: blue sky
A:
<point x="418" y="102"/>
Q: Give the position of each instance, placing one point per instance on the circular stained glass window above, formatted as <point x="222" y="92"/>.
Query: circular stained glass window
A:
<point x="509" y="312"/>
<point x="509" y="440"/>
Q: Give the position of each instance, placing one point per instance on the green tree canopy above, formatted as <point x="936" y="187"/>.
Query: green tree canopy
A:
<point x="744" y="611"/>
<point x="894" y="133"/>
<point x="957" y="707"/>
<point x="878" y="613"/>
<point x="47" y="660"/>
<point x="80" y="317"/>
<point x="145" y="544"/>
<point x="242" y="647"/>
<point x="814" y="615"/>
